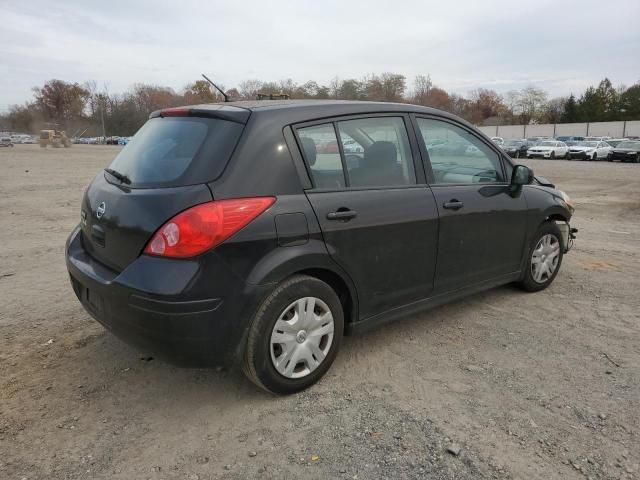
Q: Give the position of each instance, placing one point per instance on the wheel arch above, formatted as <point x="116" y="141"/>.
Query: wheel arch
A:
<point x="346" y="293"/>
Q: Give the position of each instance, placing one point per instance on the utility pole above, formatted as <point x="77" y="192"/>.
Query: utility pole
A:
<point x="104" y="134"/>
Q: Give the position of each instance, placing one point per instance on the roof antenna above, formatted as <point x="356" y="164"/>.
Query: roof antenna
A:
<point x="226" y="98"/>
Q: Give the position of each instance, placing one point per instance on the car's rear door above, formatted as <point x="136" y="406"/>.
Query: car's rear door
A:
<point x="377" y="215"/>
<point x="482" y="227"/>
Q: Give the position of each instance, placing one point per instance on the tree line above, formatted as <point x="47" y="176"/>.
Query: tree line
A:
<point x="85" y="107"/>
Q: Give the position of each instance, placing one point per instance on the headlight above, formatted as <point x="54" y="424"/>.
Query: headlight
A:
<point x="631" y="153"/>
<point x="566" y="198"/>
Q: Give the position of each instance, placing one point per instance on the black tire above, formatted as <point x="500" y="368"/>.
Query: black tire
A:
<point x="567" y="156"/>
<point x="527" y="281"/>
<point x="528" y="156"/>
<point x="552" y="155"/>
<point x="595" y="157"/>
<point x="637" y="159"/>
<point x="257" y="365"/>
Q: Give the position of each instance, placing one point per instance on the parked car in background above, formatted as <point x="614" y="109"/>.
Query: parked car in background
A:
<point x="28" y="139"/>
<point x="5" y="141"/>
<point x="615" y="141"/>
<point x="596" y="139"/>
<point x="549" y="149"/>
<point x="124" y="140"/>
<point x="569" y="138"/>
<point x="589" y="150"/>
<point x="516" y="148"/>
<point x="627" y="151"/>
<point x="351" y="146"/>
<point x="218" y="251"/>
<point x="497" y="140"/>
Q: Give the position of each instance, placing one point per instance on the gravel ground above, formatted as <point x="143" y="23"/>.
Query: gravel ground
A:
<point x="503" y="384"/>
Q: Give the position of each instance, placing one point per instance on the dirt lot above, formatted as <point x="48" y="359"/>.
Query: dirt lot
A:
<point x="542" y="385"/>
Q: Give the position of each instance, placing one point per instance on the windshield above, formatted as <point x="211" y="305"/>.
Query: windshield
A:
<point x="547" y="144"/>
<point x="587" y="144"/>
<point x="629" y="145"/>
<point x="513" y="143"/>
<point x="176" y="151"/>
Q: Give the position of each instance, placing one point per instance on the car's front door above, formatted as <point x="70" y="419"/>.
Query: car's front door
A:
<point x="378" y="217"/>
<point x="482" y="226"/>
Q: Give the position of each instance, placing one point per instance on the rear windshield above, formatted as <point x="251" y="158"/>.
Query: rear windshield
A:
<point x="177" y="151"/>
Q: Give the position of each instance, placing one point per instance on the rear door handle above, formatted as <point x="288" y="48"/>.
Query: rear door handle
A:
<point x="342" y="214"/>
<point x="453" y="205"/>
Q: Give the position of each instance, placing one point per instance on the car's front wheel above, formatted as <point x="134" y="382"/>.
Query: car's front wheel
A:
<point x="544" y="258"/>
<point x="552" y="155"/>
<point x="594" y="157"/>
<point x="295" y="336"/>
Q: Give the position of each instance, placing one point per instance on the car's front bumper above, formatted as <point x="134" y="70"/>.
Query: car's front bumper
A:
<point x="539" y="154"/>
<point x="580" y="155"/>
<point x="159" y="305"/>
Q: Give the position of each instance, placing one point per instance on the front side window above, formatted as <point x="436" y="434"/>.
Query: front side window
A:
<point x="457" y="156"/>
<point x="377" y="152"/>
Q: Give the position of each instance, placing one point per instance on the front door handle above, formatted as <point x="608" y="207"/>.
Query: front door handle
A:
<point x="453" y="204"/>
<point x="342" y="214"/>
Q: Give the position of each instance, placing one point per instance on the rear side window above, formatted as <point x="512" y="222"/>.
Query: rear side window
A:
<point x="376" y="153"/>
<point x="379" y="152"/>
<point x="176" y="151"/>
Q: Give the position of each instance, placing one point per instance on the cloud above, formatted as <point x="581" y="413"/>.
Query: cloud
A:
<point x="559" y="46"/>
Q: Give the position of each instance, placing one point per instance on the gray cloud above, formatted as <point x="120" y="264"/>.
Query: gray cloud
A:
<point x="561" y="46"/>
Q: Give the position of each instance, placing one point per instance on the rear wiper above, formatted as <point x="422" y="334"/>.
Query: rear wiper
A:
<point x="120" y="176"/>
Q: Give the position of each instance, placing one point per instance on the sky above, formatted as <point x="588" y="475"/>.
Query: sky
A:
<point x="560" y="46"/>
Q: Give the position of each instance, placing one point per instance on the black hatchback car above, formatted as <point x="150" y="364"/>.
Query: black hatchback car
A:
<point x="246" y="233"/>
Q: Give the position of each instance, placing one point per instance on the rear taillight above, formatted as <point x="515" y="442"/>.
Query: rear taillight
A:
<point x="204" y="226"/>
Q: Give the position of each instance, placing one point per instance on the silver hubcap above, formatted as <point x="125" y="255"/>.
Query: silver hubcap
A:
<point x="544" y="260"/>
<point x="301" y="337"/>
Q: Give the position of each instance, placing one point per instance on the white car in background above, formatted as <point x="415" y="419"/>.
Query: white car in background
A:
<point x="549" y="149"/>
<point x="589" y="150"/>
<point x="497" y="140"/>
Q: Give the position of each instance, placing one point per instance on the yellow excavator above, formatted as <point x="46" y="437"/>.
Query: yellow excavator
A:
<point x="55" y="138"/>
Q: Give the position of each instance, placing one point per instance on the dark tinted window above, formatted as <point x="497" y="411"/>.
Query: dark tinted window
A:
<point x="178" y="151"/>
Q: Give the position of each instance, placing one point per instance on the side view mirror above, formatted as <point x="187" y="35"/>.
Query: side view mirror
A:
<point x="521" y="175"/>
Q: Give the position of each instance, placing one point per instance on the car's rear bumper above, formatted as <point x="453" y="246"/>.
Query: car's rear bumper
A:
<point x="171" y="309"/>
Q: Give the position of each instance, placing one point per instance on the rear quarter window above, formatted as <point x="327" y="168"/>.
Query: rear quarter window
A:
<point x="177" y="151"/>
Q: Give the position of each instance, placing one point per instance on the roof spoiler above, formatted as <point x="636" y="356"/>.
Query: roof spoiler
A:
<point x="221" y="111"/>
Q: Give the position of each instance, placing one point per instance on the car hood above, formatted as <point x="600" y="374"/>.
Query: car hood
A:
<point x="580" y="148"/>
<point x="541" y="148"/>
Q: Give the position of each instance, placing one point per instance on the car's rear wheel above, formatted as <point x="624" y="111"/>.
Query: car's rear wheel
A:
<point x="295" y="336"/>
<point x="544" y="258"/>
<point x="552" y="155"/>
